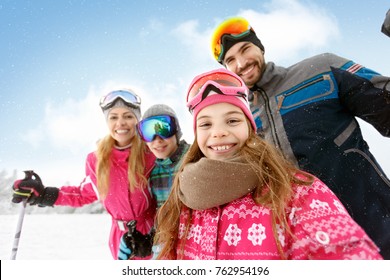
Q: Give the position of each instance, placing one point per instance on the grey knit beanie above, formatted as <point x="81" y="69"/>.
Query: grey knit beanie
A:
<point x="119" y="103"/>
<point x="162" y="109"/>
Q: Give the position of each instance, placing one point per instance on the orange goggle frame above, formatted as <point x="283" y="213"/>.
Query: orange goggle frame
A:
<point x="235" y="27"/>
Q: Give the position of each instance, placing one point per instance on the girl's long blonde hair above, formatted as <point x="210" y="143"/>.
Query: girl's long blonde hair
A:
<point x="276" y="176"/>
<point x="136" y="164"/>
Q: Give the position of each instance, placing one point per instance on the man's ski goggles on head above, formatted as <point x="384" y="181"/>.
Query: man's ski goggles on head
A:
<point x="163" y="126"/>
<point x="215" y="82"/>
<point x="128" y="97"/>
<point x="233" y="28"/>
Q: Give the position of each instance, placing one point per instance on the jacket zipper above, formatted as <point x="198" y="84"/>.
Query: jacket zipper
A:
<point x="281" y="98"/>
<point x="271" y="121"/>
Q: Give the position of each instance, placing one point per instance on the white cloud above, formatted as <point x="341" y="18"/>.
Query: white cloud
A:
<point x="285" y="27"/>
<point x="72" y="125"/>
<point x="196" y="41"/>
<point x="292" y="26"/>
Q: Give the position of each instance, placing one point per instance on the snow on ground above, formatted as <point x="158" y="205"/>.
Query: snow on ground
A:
<point x="77" y="247"/>
<point x="57" y="237"/>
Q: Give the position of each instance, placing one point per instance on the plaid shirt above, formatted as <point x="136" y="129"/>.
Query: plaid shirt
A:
<point x="164" y="171"/>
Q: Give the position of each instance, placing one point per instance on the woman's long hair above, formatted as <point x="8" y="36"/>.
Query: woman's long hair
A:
<point x="276" y="176"/>
<point x="136" y="164"/>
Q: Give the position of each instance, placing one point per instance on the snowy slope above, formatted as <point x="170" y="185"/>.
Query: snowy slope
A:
<point x="57" y="237"/>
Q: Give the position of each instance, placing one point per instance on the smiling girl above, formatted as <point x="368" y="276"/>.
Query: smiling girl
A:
<point x="236" y="197"/>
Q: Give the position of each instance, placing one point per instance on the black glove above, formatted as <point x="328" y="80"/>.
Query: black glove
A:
<point x="32" y="189"/>
<point x="140" y="245"/>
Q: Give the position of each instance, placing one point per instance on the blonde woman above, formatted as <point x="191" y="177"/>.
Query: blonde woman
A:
<point x="116" y="173"/>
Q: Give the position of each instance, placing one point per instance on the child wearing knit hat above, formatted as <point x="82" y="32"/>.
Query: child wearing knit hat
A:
<point x="236" y="197"/>
<point x="160" y="130"/>
<point x="168" y="148"/>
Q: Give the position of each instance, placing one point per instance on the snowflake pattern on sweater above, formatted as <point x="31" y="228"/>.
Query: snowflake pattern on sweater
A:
<point x="321" y="228"/>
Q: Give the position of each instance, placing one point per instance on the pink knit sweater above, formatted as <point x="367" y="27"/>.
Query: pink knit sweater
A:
<point x="242" y="230"/>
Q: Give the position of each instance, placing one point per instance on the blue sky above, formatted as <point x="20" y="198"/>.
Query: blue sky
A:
<point x="58" y="57"/>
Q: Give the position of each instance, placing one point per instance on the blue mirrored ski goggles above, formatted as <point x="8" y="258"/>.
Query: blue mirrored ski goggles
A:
<point x="163" y="126"/>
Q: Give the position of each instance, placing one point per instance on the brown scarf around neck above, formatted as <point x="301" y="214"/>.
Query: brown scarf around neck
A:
<point x="209" y="183"/>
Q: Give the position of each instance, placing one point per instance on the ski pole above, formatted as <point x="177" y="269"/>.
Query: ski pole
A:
<point x="28" y="175"/>
<point x="18" y="229"/>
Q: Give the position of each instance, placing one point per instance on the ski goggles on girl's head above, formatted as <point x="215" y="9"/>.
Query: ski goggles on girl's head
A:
<point x="162" y="125"/>
<point x="128" y="97"/>
<point x="215" y="82"/>
<point x="235" y="28"/>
